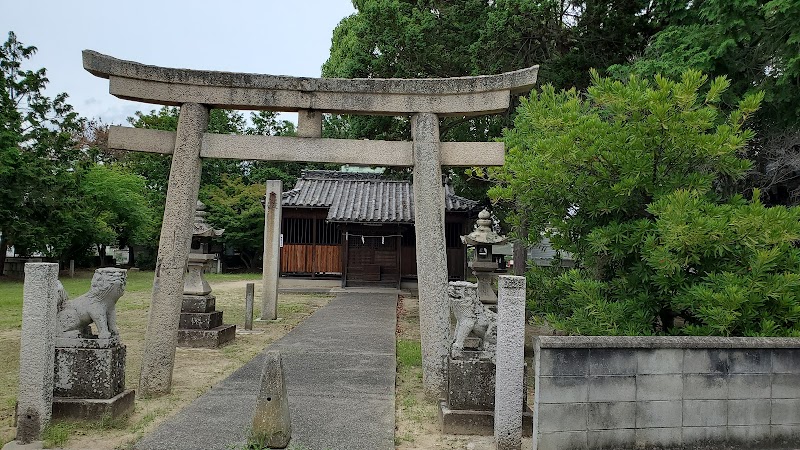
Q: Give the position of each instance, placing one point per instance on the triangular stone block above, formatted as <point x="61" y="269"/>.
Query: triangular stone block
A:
<point x="271" y="424"/>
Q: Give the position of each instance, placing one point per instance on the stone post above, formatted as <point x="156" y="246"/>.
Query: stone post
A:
<point x="248" y="306"/>
<point x="309" y="123"/>
<point x="272" y="250"/>
<point x="272" y="425"/>
<point x="510" y="363"/>
<point x="37" y="350"/>
<point x="434" y="310"/>
<point x="161" y="338"/>
<point x="72" y="268"/>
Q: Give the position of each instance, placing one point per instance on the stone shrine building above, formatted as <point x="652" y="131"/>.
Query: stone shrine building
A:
<point x="360" y="226"/>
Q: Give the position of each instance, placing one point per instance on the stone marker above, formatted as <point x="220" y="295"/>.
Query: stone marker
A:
<point x="510" y="363"/>
<point x="248" y="306"/>
<point x="272" y="250"/>
<point x="272" y="426"/>
<point x="37" y="350"/>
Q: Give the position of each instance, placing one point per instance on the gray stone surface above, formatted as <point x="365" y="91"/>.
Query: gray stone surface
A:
<point x="249" y="298"/>
<point x="272" y="250"/>
<point x="200" y="321"/>
<point x="97" y="373"/>
<point x="339" y="367"/>
<point x="198" y="303"/>
<point x="510" y="361"/>
<point x="207" y="338"/>
<point x="693" y="395"/>
<point x="290" y="148"/>
<point x="37" y="350"/>
<point x="161" y="338"/>
<point x="459" y="96"/>
<point x="675" y="342"/>
<point x="309" y="124"/>
<point x="434" y="312"/>
<point x="470" y="383"/>
<point x="98" y="306"/>
<point x="476" y="422"/>
<point x="117" y="406"/>
<point x="474" y="319"/>
<point x="272" y="425"/>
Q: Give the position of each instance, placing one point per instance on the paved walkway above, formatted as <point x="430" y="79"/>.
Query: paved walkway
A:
<point x="339" y="366"/>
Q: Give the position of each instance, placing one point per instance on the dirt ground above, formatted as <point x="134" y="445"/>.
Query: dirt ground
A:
<point x="416" y="416"/>
<point x="196" y="370"/>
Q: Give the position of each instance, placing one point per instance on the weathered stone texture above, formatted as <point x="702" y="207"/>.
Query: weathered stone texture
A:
<point x="210" y="338"/>
<point x="272" y="250"/>
<point x="82" y="372"/>
<point x="510" y="362"/>
<point x="37" y="350"/>
<point x="120" y="405"/>
<point x="290" y="148"/>
<point x="271" y="423"/>
<point x="309" y="124"/>
<point x="173" y="249"/>
<point x="470" y="383"/>
<point x="459" y="96"/>
<point x="712" y="393"/>
<point x="434" y="311"/>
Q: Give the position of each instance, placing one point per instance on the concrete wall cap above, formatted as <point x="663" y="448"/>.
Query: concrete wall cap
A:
<point x="663" y="342"/>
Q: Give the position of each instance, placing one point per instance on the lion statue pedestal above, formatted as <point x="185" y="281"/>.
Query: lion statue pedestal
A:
<point x="90" y="368"/>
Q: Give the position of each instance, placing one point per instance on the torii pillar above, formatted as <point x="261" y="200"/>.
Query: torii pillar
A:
<point x="425" y="100"/>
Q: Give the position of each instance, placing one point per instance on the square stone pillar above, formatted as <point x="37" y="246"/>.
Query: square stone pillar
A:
<point x="272" y="250"/>
<point x="434" y="308"/>
<point x="161" y="338"/>
<point x="37" y="350"/>
<point x="510" y="363"/>
<point x="309" y="123"/>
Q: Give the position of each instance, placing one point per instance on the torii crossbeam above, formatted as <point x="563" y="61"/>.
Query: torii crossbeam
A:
<point x="197" y="91"/>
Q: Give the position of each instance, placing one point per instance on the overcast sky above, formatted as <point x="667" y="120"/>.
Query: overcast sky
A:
<point x="273" y="37"/>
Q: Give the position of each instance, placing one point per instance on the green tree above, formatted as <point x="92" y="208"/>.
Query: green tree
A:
<point x="594" y="173"/>
<point x="36" y="149"/>
<point x="236" y="206"/>
<point x="116" y="202"/>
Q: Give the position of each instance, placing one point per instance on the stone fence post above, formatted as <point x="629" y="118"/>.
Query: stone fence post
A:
<point x="37" y="350"/>
<point x="510" y="363"/>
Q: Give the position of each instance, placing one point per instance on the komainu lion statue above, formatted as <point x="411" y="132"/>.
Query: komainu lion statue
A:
<point x="98" y="306"/>
<point x="471" y="315"/>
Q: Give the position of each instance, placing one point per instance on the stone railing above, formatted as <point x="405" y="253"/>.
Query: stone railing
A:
<point x="666" y="392"/>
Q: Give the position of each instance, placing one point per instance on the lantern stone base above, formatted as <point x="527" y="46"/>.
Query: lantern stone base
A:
<point x="94" y="408"/>
<point x="200" y="325"/>
<point x="198" y="303"/>
<point x="212" y="338"/>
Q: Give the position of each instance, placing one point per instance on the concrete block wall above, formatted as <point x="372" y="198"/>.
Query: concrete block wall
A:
<point x="666" y="392"/>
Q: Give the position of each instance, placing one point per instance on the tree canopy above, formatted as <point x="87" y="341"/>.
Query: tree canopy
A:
<point x="636" y="179"/>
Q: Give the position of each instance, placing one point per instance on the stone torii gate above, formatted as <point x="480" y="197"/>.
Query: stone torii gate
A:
<point x="195" y="91"/>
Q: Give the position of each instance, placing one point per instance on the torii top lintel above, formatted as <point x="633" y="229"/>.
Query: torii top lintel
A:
<point x="462" y="96"/>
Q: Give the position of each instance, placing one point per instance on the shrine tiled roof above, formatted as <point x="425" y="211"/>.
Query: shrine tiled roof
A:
<point x="362" y="197"/>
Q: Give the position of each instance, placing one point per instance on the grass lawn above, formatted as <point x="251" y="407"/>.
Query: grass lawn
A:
<point x="196" y="370"/>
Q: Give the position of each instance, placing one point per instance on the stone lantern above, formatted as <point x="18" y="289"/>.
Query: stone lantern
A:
<point x="199" y="257"/>
<point x="201" y="324"/>
<point x="483" y="266"/>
